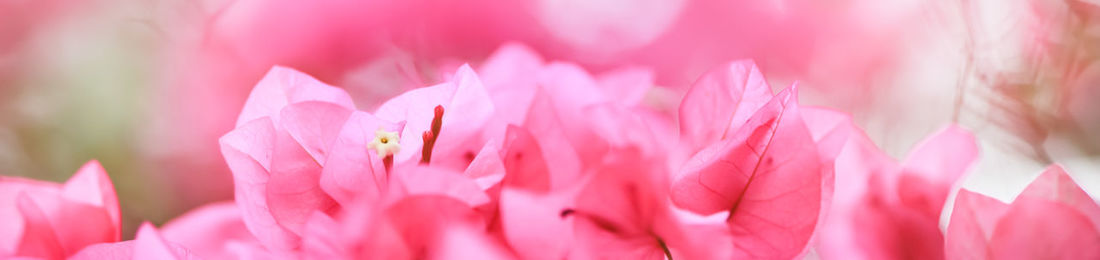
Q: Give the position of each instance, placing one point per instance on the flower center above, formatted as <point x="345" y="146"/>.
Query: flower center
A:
<point x="382" y="144"/>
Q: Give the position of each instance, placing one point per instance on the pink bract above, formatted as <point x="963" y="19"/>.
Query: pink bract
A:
<point x="54" y="221"/>
<point x="1051" y="219"/>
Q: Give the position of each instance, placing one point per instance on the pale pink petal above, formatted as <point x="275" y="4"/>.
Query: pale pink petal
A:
<point x="293" y="188"/>
<point x="1035" y="228"/>
<point x="1055" y="185"/>
<point x="249" y="151"/>
<point x="352" y="168"/>
<point x="315" y="125"/>
<point x="720" y="101"/>
<point x="971" y="226"/>
<point x="282" y="86"/>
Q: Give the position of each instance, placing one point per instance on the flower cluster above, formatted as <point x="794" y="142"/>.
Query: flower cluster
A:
<point x="530" y="159"/>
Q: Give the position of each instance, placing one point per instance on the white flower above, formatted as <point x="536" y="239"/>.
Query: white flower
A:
<point x="385" y="143"/>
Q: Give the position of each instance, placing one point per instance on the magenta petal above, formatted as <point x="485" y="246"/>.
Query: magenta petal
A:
<point x="934" y="166"/>
<point x="971" y="226"/>
<point x="282" y="86"/>
<point x="721" y="101"/>
<point x="315" y="125"/>
<point x="1041" y="229"/>
<point x="1055" y="185"/>
<point x="352" y="168"/>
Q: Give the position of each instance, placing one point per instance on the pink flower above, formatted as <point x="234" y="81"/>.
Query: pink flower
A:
<point x="885" y="210"/>
<point x="1051" y="219"/>
<point x="282" y="138"/>
<point x="147" y="245"/>
<point x="757" y="162"/>
<point x="52" y="221"/>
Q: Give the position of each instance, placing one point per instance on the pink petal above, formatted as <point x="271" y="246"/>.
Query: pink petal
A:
<point x="934" y="166"/>
<point x="460" y="242"/>
<point x="767" y="175"/>
<point x="554" y="141"/>
<point x="1035" y="228"/>
<point x="721" y="101"/>
<point x="39" y="237"/>
<point x="487" y="169"/>
<point x="293" y="188"/>
<point x="467" y="107"/>
<point x="507" y="77"/>
<point x="524" y="164"/>
<point x="423" y="180"/>
<point x="150" y="245"/>
<point x="570" y="87"/>
<point x="352" y="168"/>
<point x="212" y="231"/>
<point x="147" y="245"/>
<point x="830" y="130"/>
<point x="1055" y="184"/>
<point x="91" y="185"/>
<point x="971" y="226"/>
<point x="315" y="125"/>
<point x="551" y="238"/>
<point x="249" y="151"/>
<point x="421" y="220"/>
<point x="628" y="85"/>
<point x="282" y="86"/>
<point x="510" y="64"/>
